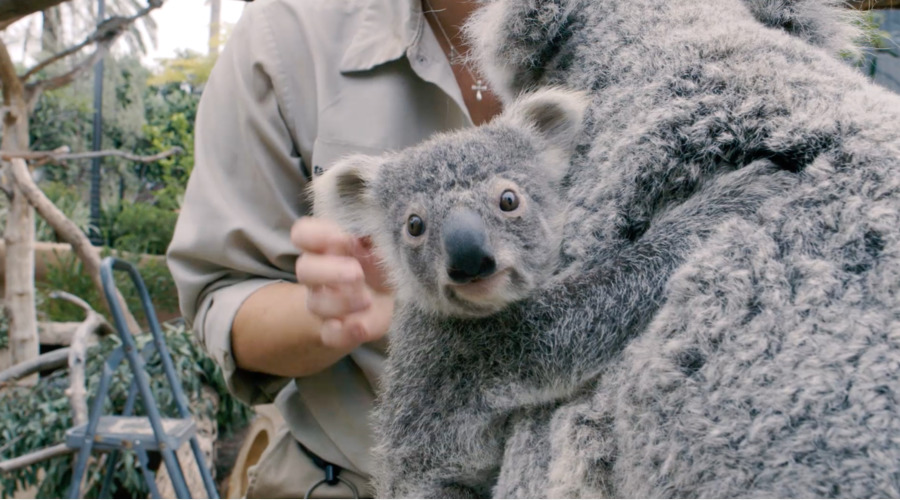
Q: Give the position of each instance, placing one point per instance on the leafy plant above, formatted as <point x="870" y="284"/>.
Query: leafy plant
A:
<point x="874" y="41"/>
<point x="69" y="200"/>
<point x="35" y="417"/>
<point x="68" y="275"/>
<point x="187" y="67"/>
<point x="139" y="227"/>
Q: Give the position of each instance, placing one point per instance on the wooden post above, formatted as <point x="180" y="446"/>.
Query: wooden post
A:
<point x="19" y="234"/>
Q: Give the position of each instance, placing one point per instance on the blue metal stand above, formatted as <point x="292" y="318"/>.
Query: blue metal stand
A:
<point x="113" y="433"/>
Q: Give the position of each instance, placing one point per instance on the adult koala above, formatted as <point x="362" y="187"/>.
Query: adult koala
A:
<point x="762" y="341"/>
<point x="770" y="368"/>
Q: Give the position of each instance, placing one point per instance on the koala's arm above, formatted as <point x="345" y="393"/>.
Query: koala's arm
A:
<point x="579" y="324"/>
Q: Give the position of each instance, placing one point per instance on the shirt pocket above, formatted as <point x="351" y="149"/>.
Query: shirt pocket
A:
<point x="327" y="151"/>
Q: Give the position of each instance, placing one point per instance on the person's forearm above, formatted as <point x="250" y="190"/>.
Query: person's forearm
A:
<point x="274" y="333"/>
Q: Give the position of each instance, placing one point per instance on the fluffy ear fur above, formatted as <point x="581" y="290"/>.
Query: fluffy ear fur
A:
<point x="343" y="193"/>
<point x="556" y="115"/>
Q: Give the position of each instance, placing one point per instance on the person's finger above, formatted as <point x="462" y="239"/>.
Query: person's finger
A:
<point x="336" y="303"/>
<point x="315" y="269"/>
<point x="371" y="323"/>
<point x="333" y="335"/>
<point x="375" y="274"/>
<point x="317" y="235"/>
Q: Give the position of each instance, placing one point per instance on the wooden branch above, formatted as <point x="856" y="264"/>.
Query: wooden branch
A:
<point x="66" y="229"/>
<point x="57" y="332"/>
<point x="56" y="57"/>
<point x="12" y="85"/>
<point x="106" y="34"/>
<point x="34" y="89"/>
<point x="34" y="457"/>
<point x="11" y="9"/>
<point x="49" y="361"/>
<point x="77" y="353"/>
<point x="65" y="156"/>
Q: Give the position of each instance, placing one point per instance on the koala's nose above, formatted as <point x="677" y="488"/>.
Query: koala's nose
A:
<point x="465" y="240"/>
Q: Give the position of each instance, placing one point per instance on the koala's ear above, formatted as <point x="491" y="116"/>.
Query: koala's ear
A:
<point x="344" y="192"/>
<point x="556" y="114"/>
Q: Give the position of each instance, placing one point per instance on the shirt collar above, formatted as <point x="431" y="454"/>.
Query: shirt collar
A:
<point x="386" y="30"/>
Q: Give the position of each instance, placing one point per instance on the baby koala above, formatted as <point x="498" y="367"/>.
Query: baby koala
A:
<point x="470" y="222"/>
<point x="512" y="291"/>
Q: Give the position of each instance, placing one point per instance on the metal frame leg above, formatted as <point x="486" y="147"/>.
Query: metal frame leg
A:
<point x="112" y="458"/>
<point x="96" y="409"/>
<point x="144" y="460"/>
<point x="204" y="470"/>
<point x="114" y="454"/>
<point x="176" y="473"/>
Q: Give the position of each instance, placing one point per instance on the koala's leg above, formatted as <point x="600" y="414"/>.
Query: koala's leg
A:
<point x="438" y="438"/>
<point x="435" y="452"/>
<point x="583" y="446"/>
<point x="586" y="320"/>
<point x="560" y="451"/>
<point x="526" y="458"/>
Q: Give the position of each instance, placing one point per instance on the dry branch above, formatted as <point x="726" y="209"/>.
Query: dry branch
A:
<point x="77" y="353"/>
<point x="12" y="85"/>
<point x="66" y="229"/>
<point x="103" y="37"/>
<point x="107" y="31"/>
<point x="57" y="332"/>
<point x="33" y="90"/>
<point x="35" y="457"/>
<point x="65" y="156"/>
<point x="49" y="361"/>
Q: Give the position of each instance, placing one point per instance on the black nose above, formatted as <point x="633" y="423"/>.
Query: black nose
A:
<point x="465" y="240"/>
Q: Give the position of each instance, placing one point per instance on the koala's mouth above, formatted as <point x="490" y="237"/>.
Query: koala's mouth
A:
<point x="488" y="290"/>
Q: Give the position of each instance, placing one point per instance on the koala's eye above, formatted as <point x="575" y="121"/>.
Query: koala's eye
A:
<point x="415" y="225"/>
<point x="509" y="201"/>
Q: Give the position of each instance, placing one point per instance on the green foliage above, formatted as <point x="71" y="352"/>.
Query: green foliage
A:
<point x="171" y="111"/>
<point x="139" y="227"/>
<point x="69" y="276"/>
<point x="139" y="202"/>
<point x="64" y="117"/>
<point x="68" y="199"/>
<point x="32" y="418"/>
<point x="187" y="67"/>
<point x="874" y="41"/>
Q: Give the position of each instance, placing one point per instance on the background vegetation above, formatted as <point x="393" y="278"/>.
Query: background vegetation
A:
<point x="36" y="417"/>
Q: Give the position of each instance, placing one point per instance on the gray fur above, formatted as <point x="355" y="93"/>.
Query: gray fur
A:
<point x="721" y="317"/>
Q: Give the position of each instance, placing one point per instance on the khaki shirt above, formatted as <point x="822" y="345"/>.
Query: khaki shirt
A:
<point x="300" y="84"/>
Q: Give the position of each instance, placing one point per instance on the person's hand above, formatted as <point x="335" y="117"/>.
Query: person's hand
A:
<point x="345" y="287"/>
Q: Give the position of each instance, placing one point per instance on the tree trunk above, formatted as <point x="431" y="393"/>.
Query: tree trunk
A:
<point x="19" y="235"/>
<point x="19" y="239"/>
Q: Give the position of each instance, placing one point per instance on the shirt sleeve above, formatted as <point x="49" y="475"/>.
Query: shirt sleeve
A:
<point x="245" y="191"/>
